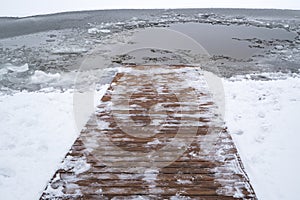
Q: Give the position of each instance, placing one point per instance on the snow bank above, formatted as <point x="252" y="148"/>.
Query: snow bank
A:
<point x="37" y="130"/>
<point x="263" y="118"/>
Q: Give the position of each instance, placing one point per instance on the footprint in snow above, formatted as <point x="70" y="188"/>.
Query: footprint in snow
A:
<point x="238" y="132"/>
<point x="7" y="173"/>
<point x="261" y="115"/>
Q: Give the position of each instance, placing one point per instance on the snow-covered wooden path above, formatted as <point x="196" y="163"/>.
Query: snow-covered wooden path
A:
<point x="155" y="135"/>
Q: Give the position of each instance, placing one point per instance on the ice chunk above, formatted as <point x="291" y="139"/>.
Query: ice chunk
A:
<point x="42" y="77"/>
<point x="10" y="67"/>
<point x="69" y="50"/>
<point x="3" y="71"/>
<point x="22" y="68"/>
<point x="104" y="31"/>
<point x="96" y="31"/>
<point x="93" y="31"/>
<point x="279" y="47"/>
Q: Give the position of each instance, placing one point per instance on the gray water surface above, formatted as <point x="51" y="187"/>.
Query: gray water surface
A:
<point x="222" y="39"/>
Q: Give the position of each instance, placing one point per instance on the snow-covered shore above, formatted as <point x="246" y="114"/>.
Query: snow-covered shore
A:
<point x="36" y="132"/>
<point x="37" y="129"/>
<point x="263" y="118"/>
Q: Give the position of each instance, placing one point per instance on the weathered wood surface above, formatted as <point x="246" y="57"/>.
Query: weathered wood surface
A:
<point x="155" y="135"/>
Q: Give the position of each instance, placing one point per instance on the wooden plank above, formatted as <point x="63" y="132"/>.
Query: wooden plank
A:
<point x="120" y="160"/>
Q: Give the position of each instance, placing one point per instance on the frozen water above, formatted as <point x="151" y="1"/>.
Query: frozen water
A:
<point x="258" y="36"/>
